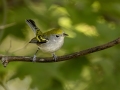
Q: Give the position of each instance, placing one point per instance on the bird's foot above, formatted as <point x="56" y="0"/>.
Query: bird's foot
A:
<point x="34" y="58"/>
<point x="55" y="57"/>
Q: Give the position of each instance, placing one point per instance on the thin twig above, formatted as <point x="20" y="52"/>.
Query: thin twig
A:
<point x="24" y="47"/>
<point x="7" y="59"/>
<point x="6" y="25"/>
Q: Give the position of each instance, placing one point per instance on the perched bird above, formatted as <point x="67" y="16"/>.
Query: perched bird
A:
<point x="49" y="41"/>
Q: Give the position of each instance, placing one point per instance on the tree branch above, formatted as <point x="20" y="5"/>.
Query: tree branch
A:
<point x="7" y="59"/>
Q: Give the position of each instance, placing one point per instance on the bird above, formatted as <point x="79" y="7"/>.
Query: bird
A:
<point x="49" y="41"/>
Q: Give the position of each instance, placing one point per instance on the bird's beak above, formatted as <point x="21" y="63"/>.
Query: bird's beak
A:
<point x="64" y="34"/>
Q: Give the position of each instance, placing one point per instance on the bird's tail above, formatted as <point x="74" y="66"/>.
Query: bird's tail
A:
<point x="32" y="25"/>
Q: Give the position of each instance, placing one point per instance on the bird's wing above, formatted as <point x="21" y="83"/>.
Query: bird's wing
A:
<point x="32" y="25"/>
<point x="34" y="40"/>
<point x="38" y="33"/>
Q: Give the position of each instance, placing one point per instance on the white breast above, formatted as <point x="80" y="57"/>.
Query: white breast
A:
<point x="53" y="44"/>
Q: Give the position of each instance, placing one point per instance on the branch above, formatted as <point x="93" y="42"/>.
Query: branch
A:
<point x="7" y="59"/>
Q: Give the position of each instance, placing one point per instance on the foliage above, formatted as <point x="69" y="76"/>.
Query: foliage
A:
<point x="88" y="22"/>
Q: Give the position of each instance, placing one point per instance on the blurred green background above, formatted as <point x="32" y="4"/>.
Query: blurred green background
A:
<point x="88" y="22"/>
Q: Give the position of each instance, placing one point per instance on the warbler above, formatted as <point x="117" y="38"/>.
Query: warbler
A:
<point x="49" y="41"/>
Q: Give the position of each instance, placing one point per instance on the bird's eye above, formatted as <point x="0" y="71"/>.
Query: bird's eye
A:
<point x="57" y="36"/>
